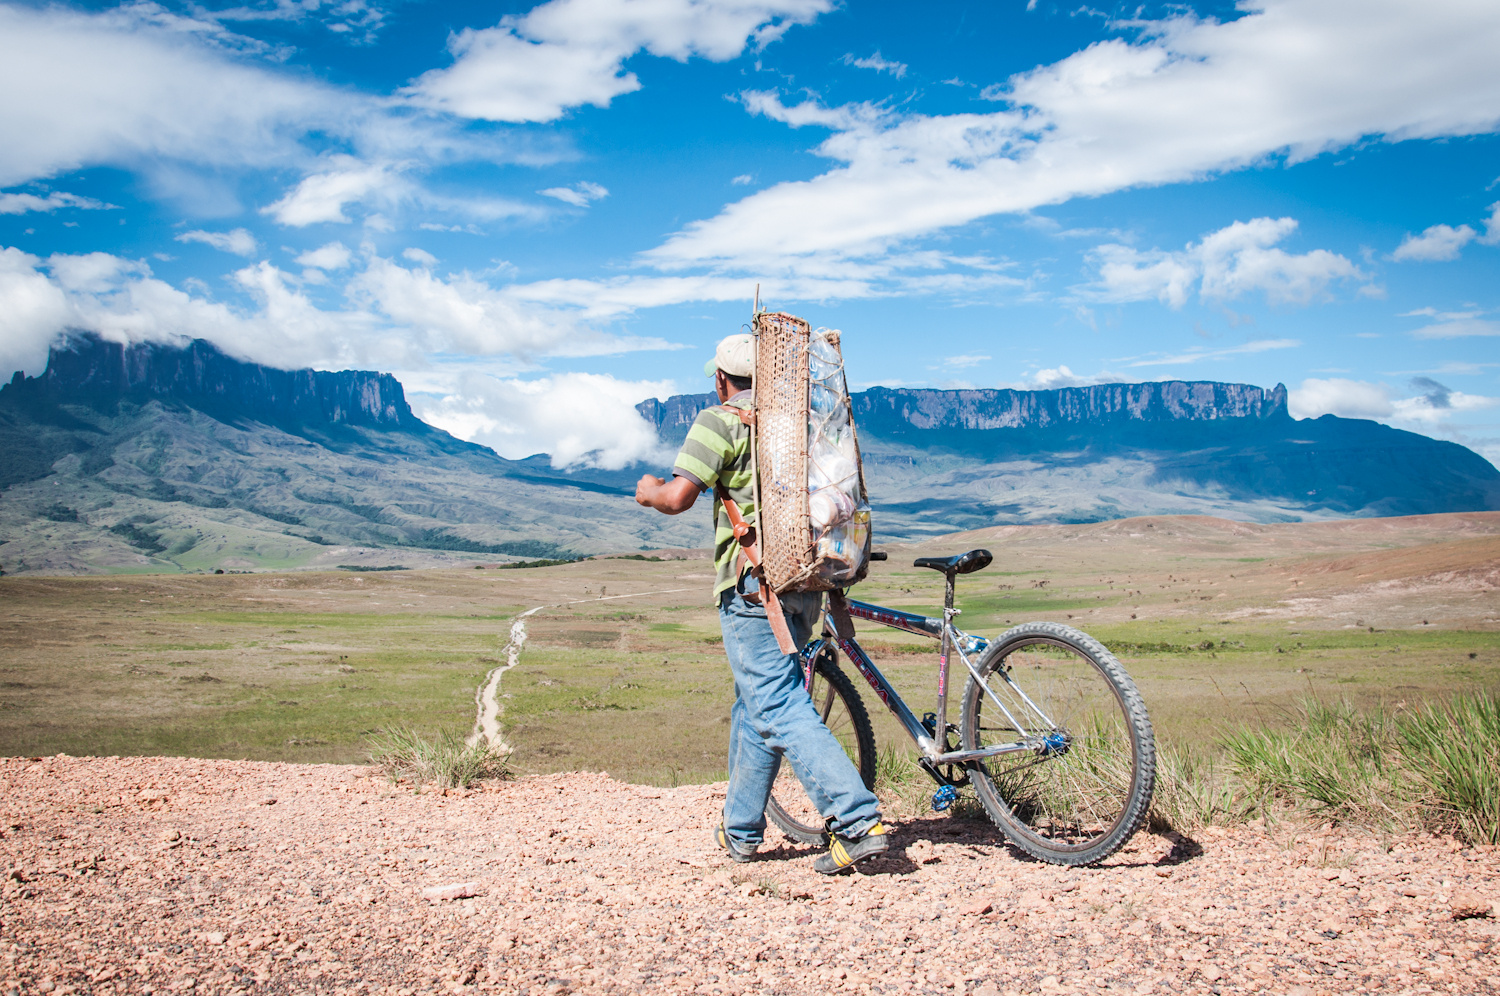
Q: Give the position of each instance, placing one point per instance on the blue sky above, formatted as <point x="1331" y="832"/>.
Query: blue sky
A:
<point x="537" y="215"/>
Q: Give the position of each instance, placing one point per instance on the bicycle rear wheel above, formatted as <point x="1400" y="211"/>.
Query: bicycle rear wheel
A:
<point x="1085" y="788"/>
<point x="838" y="703"/>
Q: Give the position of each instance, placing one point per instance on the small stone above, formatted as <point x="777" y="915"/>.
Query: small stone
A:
<point x="457" y="890"/>
<point x="978" y="907"/>
<point x="170" y="835"/>
<point x="269" y="800"/>
<point x="215" y="937"/>
<point x="1470" y="906"/>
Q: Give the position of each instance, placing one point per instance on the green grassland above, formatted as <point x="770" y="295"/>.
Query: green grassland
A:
<point x="308" y="666"/>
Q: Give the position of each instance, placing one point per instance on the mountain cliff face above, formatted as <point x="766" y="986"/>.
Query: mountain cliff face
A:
<point x="892" y="412"/>
<point x="89" y="370"/>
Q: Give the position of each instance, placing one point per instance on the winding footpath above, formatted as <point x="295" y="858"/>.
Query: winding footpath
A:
<point x="487" y="696"/>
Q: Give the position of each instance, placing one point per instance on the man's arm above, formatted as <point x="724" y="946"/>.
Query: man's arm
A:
<point x="673" y="498"/>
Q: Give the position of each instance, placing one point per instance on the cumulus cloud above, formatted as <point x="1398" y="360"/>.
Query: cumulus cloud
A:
<point x="397" y="316"/>
<point x="875" y="62"/>
<point x="1436" y="244"/>
<point x="239" y="241"/>
<point x="1340" y="396"/>
<point x="333" y="256"/>
<point x="1433" y="405"/>
<point x="1188" y="98"/>
<point x="568" y="53"/>
<point x="23" y="203"/>
<point x="1052" y="378"/>
<point x="1226" y="264"/>
<point x="577" y="418"/>
<point x="578" y="195"/>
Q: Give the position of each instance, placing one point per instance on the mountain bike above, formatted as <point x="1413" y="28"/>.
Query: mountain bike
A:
<point x="1052" y="733"/>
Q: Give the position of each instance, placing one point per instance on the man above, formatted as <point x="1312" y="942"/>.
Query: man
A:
<point x="773" y="714"/>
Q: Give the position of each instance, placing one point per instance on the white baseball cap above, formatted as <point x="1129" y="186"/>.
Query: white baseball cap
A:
<point x="735" y="356"/>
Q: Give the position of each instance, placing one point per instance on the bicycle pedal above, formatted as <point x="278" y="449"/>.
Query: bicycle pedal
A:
<point x="944" y="797"/>
<point x="929" y="723"/>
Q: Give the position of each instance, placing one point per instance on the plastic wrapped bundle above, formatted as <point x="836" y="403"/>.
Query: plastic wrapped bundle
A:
<point x="838" y="512"/>
<point x="814" y="516"/>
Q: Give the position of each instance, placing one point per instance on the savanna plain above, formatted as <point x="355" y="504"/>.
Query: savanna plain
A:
<point x="189" y="802"/>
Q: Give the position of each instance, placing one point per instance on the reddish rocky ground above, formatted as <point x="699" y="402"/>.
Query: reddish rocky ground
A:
<point x="147" y="875"/>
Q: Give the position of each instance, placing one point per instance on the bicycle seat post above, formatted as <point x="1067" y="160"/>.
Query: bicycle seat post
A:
<point x="940" y="727"/>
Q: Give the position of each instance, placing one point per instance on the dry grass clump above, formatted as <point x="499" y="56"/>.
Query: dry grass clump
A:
<point x="446" y="760"/>
<point x="1436" y="768"/>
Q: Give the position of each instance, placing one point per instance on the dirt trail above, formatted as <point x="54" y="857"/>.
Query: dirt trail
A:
<point x="148" y="875"/>
<point x="487" y="695"/>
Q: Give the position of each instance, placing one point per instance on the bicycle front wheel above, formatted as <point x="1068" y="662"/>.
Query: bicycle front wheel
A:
<point x="841" y="710"/>
<point x="1084" y="785"/>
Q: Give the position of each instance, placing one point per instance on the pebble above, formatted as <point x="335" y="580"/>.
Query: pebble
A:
<point x="573" y="884"/>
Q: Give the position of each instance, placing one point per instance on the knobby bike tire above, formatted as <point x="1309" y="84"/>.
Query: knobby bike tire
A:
<point x="789" y="807"/>
<point x="1075" y="806"/>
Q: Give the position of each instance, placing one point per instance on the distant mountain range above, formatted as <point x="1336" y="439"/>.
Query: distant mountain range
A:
<point x="152" y="457"/>
<point x="936" y="461"/>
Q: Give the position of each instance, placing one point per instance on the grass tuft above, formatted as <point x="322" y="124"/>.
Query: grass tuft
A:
<point x="446" y="760"/>
<point x="1455" y="749"/>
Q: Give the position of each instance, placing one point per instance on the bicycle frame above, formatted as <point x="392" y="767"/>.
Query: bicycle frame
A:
<point x="1042" y="741"/>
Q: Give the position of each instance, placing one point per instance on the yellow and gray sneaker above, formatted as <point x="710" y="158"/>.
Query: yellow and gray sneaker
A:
<point x="736" y="853"/>
<point x="843" y="852"/>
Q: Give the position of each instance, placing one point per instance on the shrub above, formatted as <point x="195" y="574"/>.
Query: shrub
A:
<point x="447" y="759"/>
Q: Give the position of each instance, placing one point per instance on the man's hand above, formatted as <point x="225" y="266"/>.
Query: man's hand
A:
<point x="672" y="498"/>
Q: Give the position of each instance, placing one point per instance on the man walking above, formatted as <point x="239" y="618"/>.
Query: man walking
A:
<point x="773" y="716"/>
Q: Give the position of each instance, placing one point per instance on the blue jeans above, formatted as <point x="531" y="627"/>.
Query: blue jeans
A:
<point x="773" y="715"/>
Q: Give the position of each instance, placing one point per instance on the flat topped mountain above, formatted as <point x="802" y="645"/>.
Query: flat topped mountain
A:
<point x="152" y="457"/>
<point x="938" y="460"/>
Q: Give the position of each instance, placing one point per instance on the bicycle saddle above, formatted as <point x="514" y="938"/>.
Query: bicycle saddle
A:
<point x="959" y="563"/>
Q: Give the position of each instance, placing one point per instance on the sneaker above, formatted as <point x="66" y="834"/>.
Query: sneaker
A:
<point x="736" y="853"/>
<point x="843" y="853"/>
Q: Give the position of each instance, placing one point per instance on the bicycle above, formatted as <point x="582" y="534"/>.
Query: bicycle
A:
<point x="1052" y="733"/>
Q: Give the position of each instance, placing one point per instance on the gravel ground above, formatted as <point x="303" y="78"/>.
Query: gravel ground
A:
<point x="151" y="875"/>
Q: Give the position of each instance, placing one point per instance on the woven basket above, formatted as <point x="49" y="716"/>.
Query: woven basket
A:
<point x="788" y="553"/>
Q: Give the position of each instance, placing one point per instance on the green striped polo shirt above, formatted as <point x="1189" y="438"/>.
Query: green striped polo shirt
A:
<point x="717" y="451"/>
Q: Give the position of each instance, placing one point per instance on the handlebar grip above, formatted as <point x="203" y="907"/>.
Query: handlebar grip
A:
<point x="877" y="555"/>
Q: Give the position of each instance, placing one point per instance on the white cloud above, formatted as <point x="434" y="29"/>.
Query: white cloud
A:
<point x="333" y="256"/>
<point x="1188" y="99"/>
<point x="1458" y="326"/>
<point x="966" y="360"/>
<point x="34" y="310"/>
<point x="1340" y="396"/>
<point x="1491" y="234"/>
<point x="875" y="62"/>
<point x="744" y="179"/>
<point x="568" y="53"/>
<point x="1199" y="354"/>
<point x="421" y="257"/>
<point x="396" y="319"/>
<point x="1052" y="378"/>
<point x="1226" y="264"/>
<point x="22" y="203"/>
<point x="1435" y="244"/>
<point x="239" y="241"/>
<point x="117" y="88"/>
<point x="1434" y="406"/>
<point x="323" y="196"/>
<point x="578" y="195"/>
<point x="578" y="418"/>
